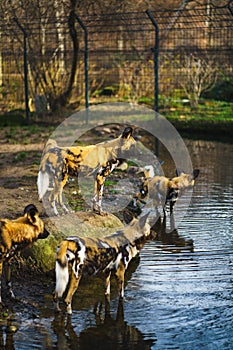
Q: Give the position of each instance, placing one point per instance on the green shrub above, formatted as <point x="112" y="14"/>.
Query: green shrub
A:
<point x="222" y="91"/>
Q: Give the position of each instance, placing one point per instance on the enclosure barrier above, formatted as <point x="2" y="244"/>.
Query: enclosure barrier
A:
<point x="118" y="57"/>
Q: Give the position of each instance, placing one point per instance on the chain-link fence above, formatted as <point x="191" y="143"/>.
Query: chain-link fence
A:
<point x="193" y="46"/>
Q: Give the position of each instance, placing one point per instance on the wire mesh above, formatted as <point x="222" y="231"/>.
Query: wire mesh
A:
<point x="192" y="42"/>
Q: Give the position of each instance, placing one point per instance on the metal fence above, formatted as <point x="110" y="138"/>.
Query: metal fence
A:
<point x="191" y="47"/>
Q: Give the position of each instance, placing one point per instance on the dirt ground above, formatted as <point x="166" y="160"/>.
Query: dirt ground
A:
<point x="18" y="172"/>
<point x="18" y="178"/>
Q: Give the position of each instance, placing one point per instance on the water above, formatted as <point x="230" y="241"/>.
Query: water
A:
<point x="176" y="297"/>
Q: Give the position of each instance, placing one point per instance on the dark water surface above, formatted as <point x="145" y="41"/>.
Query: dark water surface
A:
<point x="178" y="297"/>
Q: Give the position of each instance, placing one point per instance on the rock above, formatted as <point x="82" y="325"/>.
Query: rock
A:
<point x="83" y="224"/>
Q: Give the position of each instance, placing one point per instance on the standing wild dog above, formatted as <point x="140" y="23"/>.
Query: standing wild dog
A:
<point x="16" y="235"/>
<point x="90" y="256"/>
<point x="164" y="191"/>
<point x="58" y="163"/>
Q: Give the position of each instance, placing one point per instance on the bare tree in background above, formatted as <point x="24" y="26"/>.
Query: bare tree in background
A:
<point x="197" y="76"/>
<point x="52" y="73"/>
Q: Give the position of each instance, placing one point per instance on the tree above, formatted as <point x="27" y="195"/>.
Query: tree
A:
<point x="53" y="42"/>
<point x="197" y="76"/>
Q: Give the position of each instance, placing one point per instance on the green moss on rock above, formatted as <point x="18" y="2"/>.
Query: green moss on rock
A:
<point x="83" y="224"/>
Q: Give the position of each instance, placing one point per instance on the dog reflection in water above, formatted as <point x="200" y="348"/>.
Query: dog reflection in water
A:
<point x="108" y="333"/>
<point x="7" y="332"/>
<point x="171" y="240"/>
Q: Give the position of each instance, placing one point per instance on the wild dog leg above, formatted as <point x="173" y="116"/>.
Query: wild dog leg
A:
<point x="74" y="282"/>
<point x="56" y="301"/>
<point x="8" y="281"/>
<point x="60" y="190"/>
<point x="1" y="266"/>
<point x="52" y="200"/>
<point x="99" y="184"/>
<point x="172" y="220"/>
<point x="56" y="195"/>
<point x="169" y="203"/>
<point x="165" y="211"/>
<point x="98" y="194"/>
<point x="107" y="284"/>
<point x="172" y="204"/>
<point x="120" y="275"/>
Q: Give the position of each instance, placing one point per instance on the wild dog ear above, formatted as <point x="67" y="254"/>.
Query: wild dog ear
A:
<point x="143" y="219"/>
<point x="127" y="133"/>
<point x="196" y="172"/>
<point x="31" y="212"/>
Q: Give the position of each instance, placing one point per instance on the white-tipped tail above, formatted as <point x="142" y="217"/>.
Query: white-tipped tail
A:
<point x="42" y="183"/>
<point x="62" y="278"/>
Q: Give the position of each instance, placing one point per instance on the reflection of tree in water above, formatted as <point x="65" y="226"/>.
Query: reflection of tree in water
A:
<point x="109" y="332"/>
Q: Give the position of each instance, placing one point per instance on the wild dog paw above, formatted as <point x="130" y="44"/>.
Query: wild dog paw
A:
<point x="69" y="309"/>
<point x="103" y="213"/>
<point x="99" y="211"/>
<point x="65" y="209"/>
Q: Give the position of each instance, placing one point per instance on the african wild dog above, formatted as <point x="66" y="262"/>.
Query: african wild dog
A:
<point x="164" y="191"/>
<point x="18" y="234"/>
<point x="58" y="163"/>
<point x="78" y="256"/>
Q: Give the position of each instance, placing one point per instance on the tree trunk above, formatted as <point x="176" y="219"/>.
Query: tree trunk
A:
<point x="63" y="99"/>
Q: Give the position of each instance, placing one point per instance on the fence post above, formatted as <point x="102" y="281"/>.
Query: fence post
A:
<point x="25" y="63"/>
<point x="156" y="72"/>
<point x="86" y="66"/>
<point x="156" y="57"/>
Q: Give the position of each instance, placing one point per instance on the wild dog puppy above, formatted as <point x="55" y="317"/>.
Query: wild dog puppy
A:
<point x="58" y="163"/>
<point x="164" y="191"/>
<point x="78" y="256"/>
<point x="18" y="234"/>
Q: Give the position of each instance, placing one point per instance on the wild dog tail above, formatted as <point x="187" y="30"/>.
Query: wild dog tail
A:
<point x="61" y="269"/>
<point x="42" y="183"/>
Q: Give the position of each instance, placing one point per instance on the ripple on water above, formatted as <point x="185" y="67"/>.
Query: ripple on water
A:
<point x="187" y="295"/>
